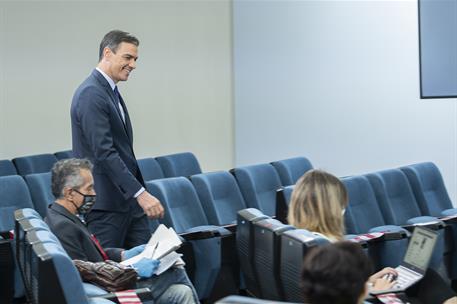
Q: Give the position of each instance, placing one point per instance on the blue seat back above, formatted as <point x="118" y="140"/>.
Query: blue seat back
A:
<point x="14" y="195"/>
<point x="394" y="196"/>
<point x="150" y="169"/>
<point x="295" y="244"/>
<point x="291" y="169"/>
<point x="428" y="187"/>
<point x="55" y="279"/>
<point x="363" y="212"/>
<point x="220" y="196"/>
<point x="34" y="163"/>
<point x="258" y="185"/>
<point x="64" y="154"/>
<point x="7" y="168"/>
<point x="39" y="185"/>
<point x="180" y="201"/>
<point x="179" y="164"/>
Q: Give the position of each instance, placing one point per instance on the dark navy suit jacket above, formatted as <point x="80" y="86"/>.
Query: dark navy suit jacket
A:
<point x="74" y="236"/>
<point x="99" y="134"/>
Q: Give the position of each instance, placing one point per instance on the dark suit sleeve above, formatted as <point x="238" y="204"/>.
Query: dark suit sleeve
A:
<point x="71" y="242"/>
<point x="95" y="122"/>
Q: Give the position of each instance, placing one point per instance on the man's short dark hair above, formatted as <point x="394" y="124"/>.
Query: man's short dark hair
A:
<point x="67" y="173"/>
<point x="113" y="39"/>
<point x="335" y="274"/>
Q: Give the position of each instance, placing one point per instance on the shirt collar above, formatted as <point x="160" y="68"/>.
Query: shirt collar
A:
<point x="110" y="81"/>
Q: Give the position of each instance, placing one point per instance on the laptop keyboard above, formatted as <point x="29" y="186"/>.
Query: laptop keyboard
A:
<point x="406" y="277"/>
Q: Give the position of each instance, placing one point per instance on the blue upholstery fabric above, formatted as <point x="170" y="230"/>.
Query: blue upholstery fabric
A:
<point x="258" y="184"/>
<point x="220" y="196"/>
<point x="363" y="212"/>
<point x="64" y="154"/>
<point x="287" y="193"/>
<point x="428" y="188"/>
<point x="399" y="206"/>
<point x="291" y="169"/>
<point x="394" y="196"/>
<point x="7" y="168"/>
<point x="150" y="169"/>
<point x="184" y="213"/>
<point x="179" y="164"/>
<point x="180" y="201"/>
<point x="40" y="189"/>
<point x="34" y="163"/>
<point x="13" y="195"/>
<point x="26" y="213"/>
<point x="67" y="274"/>
<point x="92" y="290"/>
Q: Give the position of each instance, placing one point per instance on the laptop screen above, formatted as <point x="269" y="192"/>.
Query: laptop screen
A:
<point x="420" y="248"/>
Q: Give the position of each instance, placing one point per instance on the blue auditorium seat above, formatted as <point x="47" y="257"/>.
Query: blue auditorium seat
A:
<point x="399" y="207"/>
<point x="7" y="168"/>
<point x="431" y="194"/>
<point x="39" y="185"/>
<point x="295" y="244"/>
<point x="363" y="215"/>
<point x="183" y="212"/>
<point x="267" y="256"/>
<point x="13" y="195"/>
<point x="259" y="184"/>
<point x="34" y="163"/>
<point x="179" y="164"/>
<point x="150" y="169"/>
<point x="55" y="279"/>
<point x="429" y="189"/>
<point x="291" y="169"/>
<point x="64" y="154"/>
<point x="220" y="196"/>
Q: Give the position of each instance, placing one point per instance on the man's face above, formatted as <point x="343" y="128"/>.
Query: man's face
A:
<point x="86" y="188"/>
<point x="121" y="63"/>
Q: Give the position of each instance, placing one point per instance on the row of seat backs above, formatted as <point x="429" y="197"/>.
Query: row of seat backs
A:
<point x="172" y="165"/>
<point x="179" y="164"/>
<point x="32" y="164"/>
<point x="215" y="197"/>
<point x="48" y="272"/>
<point x="271" y="255"/>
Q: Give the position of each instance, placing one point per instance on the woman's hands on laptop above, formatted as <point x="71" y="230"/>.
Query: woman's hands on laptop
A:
<point x="384" y="279"/>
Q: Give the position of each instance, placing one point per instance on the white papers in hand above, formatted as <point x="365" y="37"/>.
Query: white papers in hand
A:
<point x="162" y="242"/>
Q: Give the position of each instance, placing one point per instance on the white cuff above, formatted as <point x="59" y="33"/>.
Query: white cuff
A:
<point x="139" y="192"/>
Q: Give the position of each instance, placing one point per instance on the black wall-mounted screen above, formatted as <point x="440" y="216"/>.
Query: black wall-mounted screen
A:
<point x="438" y="48"/>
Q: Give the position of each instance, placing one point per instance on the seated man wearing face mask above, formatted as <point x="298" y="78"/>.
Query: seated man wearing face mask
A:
<point x="73" y="187"/>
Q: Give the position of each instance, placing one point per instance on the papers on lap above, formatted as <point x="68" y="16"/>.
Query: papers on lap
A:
<point x="161" y="246"/>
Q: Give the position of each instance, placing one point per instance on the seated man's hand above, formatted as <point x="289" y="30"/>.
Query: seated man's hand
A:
<point x="151" y="205"/>
<point x="127" y="254"/>
<point x="146" y="267"/>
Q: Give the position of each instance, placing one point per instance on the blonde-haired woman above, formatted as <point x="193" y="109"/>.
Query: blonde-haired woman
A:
<point x="318" y="203"/>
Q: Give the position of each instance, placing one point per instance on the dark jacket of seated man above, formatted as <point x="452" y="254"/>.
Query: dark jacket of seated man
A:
<point x="72" y="185"/>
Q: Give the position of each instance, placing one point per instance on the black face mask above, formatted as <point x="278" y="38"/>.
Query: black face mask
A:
<point x="88" y="202"/>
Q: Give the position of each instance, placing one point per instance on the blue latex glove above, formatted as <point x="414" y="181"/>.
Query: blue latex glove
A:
<point x="146" y="267"/>
<point x="127" y="254"/>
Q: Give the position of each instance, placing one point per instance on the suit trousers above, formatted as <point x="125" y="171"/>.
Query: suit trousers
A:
<point x="120" y="229"/>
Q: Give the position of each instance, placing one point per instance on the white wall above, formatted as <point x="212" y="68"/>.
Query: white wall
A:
<point x="179" y="98"/>
<point x="338" y="82"/>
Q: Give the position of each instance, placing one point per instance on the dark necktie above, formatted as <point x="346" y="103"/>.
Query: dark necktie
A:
<point x="118" y="99"/>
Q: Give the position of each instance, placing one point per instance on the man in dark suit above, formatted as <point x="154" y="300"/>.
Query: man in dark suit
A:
<point x="102" y="133"/>
<point x="73" y="186"/>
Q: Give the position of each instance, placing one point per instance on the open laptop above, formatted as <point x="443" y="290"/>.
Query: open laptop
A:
<point x="416" y="260"/>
